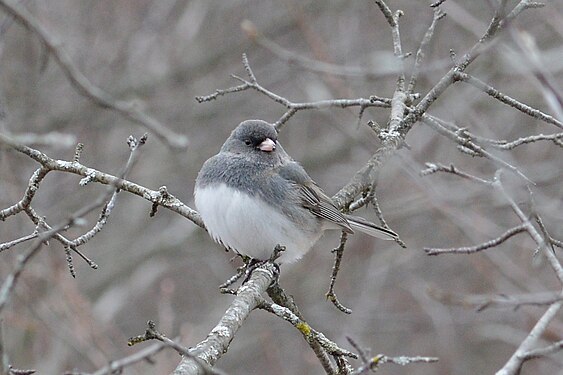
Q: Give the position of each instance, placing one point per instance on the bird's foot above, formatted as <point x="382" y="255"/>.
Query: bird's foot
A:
<point x="249" y="265"/>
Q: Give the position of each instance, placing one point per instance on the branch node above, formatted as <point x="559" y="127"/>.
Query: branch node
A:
<point x="78" y="152"/>
<point x="69" y="262"/>
<point x="248" y="68"/>
<point x="90" y="176"/>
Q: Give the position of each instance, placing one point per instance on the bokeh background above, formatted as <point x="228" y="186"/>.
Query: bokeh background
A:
<point x="161" y="54"/>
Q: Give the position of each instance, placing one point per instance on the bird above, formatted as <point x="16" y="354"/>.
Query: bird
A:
<point x="252" y="196"/>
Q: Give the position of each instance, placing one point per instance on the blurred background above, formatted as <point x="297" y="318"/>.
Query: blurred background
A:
<point x="161" y="54"/>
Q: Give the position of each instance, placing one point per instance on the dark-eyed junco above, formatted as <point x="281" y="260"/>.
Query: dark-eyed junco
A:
<point x="253" y="196"/>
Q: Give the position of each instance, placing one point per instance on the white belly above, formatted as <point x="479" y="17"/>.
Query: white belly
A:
<point x="249" y="225"/>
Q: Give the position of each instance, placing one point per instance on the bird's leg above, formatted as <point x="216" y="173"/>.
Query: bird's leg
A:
<point x="249" y="265"/>
<point x="241" y="271"/>
<point x="255" y="263"/>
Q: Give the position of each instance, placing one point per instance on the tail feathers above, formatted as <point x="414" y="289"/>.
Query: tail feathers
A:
<point x="369" y="228"/>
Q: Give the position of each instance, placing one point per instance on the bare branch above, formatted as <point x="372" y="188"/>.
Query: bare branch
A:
<point x="151" y="333"/>
<point x="292" y="107"/>
<point x="280" y="297"/>
<point x="170" y="202"/>
<point x="217" y="342"/>
<point x="23" y="259"/>
<point x="463" y="138"/>
<point x="331" y="295"/>
<point x="386" y="12"/>
<point x="437" y="167"/>
<point x="365" y="177"/>
<point x="556" y="138"/>
<point x="29" y="193"/>
<point x="399" y="97"/>
<point x="536" y="236"/>
<point x="449" y="78"/>
<point x="494" y="93"/>
<point x="517" y="359"/>
<point x="550" y="90"/>
<point x="41" y="223"/>
<point x="522" y="6"/>
<point x="372" y="364"/>
<point x="7" y="245"/>
<point x="134" y="145"/>
<point x="542" y="352"/>
<point x="306" y="330"/>
<point x="485" y="245"/>
<point x="424" y="45"/>
<point x="144" y="354"/>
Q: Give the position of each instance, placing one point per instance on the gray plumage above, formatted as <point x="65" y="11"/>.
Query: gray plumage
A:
<point x="253" y="196"/>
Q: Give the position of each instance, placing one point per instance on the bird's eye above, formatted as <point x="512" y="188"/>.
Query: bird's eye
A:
<point x="247" y="142"/>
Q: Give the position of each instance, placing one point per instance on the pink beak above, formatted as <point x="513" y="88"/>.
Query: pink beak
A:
<point x="267" y="145"/>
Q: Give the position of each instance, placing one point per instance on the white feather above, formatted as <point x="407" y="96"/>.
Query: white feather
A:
<point x="249" y="225"/>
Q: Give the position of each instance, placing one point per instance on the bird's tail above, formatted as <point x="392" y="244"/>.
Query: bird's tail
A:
<point x="369" y="228"/>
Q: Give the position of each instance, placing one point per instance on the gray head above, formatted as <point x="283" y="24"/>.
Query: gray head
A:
<point x="254" y="137"/>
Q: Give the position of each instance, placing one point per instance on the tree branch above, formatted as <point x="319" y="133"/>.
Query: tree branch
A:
<point x="217" y="342"/>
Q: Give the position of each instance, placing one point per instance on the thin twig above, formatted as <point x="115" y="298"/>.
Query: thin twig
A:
<point x="331" y="295"/>
<point x="437" y="167"/>
<point x="7" y="245"/>
<point x="424" y="45"/>
<point x="372" y="364"/>
<point x="170" y="202"/>
<point x="41" y="223"/>
<point x="292" y="107"/>
<point x="483" y="246"/>
<point x="520" y="7"/>
<point x="29" y="193"/>
<point x="379" y="214"/>
<point x="536" y="236"/>
<point x="514" y="364"/>
<point x="449" y="78"/>
<point x="463" y="139"/>
<point x="366" y="176"/>
<point x="308" y="332"/>
<point x="281" y="298"/>
<point x="23" y="259"/>
<point x="151" y="333"/>
<point x="503" y="98"/>
<point x="134" y="145"/>
<point x="545" y="351"/>
<point x="117" y="366"/>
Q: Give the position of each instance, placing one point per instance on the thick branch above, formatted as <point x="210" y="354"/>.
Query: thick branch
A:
<point x="515" y="362"/>
<point x="217" y="342"/>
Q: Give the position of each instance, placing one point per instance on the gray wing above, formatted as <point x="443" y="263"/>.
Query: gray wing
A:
<point x="312" y="197"/>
